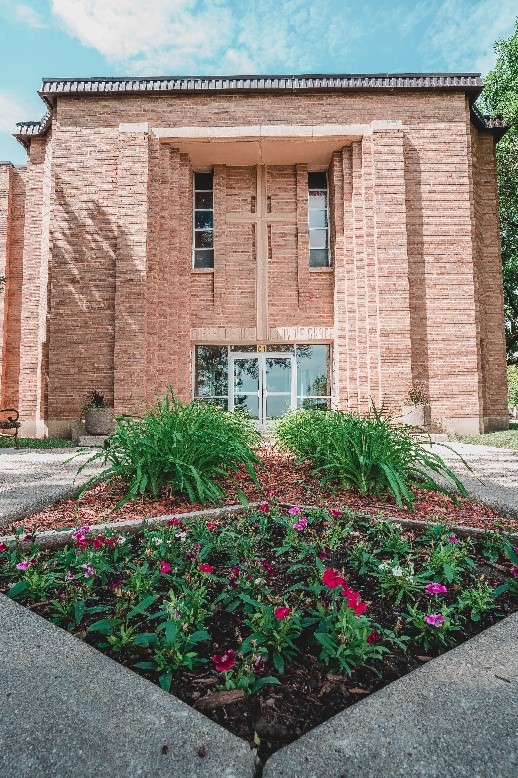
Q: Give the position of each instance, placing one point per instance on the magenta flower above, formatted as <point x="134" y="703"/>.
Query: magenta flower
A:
<point x="3" y="547"/>
<point x="293" y="511"/>
<point x="264" y="507"/>
<point x="225" y="662"/>
<point x="435" y="588"/>
<point x="165" y="567"/>
<point x="282" y="613"/>
<point x="434" y="619"/>
<point x="206" y="568"/>
<point x="335" y="514"/>
<point x="173" y="521"/>
<point x="69" y="577"/>
<point x="115" y="584"/>
<point x="453" y="539"/>
<point x="211" y="525"/>
<point x="81" y="532"/>
<point x="301" y="524"/>
<point x="89" y="570"/>
<point x="321" y="555"/>
<point x="515" y="571"/>
<point x="23" y="565"/>
<point x="266" y="565"/>
<point x="373" y="637"/>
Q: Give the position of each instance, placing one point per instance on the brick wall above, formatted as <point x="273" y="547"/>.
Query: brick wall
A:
<point x="109" y="212"/>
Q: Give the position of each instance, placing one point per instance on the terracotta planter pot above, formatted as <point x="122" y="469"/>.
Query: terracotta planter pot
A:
<point x="99" y="421"/>
<point x="416" y="415"/>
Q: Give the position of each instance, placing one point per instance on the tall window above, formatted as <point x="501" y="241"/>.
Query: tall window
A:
<point x="318" y="215"/>
<point x="203" y="249"/>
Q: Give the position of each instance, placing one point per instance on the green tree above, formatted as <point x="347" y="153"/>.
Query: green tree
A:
<point x="2" y="283"/>
<point x="500" y="98"/>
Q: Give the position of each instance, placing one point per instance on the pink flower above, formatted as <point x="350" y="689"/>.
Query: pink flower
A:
<point x="435" y="588"/>
<point x="206" y="568"/>
<point x="80" y="533"/>
<point x="515" y="571"/>
<point x="335" y="514"/>
<point x="266" y="565"/>
<point x="453" y="539"/>
<point x="321" y="555"/>
<point x="3" y="547"/>
<point x="282" y="613"/>
<point x="434" y="619"/>
<point x="69" y="577"/>
<point x="293" y="511"/>
<point x="23" y="565"/>
<point x="165" y="567"/>
<point x="373" y="637"/>
<point x="332" y="579"/>
<point x="211" y="525"/>
<point x="181" y="535"/>
<point x="173" y="521"/>
<point x="225" y="662"/>
<point x="115" y="584"/>
<point x="89" y="570"/>
<point x="264" y="507"/>
<point x="301" y="524"/>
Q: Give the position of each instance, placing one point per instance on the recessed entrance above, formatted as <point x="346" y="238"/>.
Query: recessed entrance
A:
<point x="262" y="384"/>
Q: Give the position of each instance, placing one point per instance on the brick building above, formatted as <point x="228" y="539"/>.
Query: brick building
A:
<point x="268" y="242"/>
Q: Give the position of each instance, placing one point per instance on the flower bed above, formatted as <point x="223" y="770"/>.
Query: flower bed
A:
<point x="272" y="620"/>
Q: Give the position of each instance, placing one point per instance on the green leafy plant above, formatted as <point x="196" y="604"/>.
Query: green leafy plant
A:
<point x="273" y="632"/>
<point x="365" y="452"/>
<point x="184" y="447"/>
<point x="476" y="600"/>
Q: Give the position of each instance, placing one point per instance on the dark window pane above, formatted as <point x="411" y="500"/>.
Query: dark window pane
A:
<point x="317" y="180"/>
<point x="318" y="239"/>
<point x="211" y="372"/>
<point x="318" y="200"/>
<point x="205" y="219"/>
<point x="317" y="218"/>
<point x="203" y="181"/>
<point x="203" y="258"/>
<point x="318" y="258"/>
<point x="243" y="348"/>
<point x="204" y="239"/>
<point x="203" y="200"/>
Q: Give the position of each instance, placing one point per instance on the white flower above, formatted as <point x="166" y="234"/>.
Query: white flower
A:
<point x="398" y="571"/>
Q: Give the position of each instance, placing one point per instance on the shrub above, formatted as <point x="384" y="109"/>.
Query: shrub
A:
<point x="512" y="383"/>
<point x="184" y="447"/>
<point x="366" y="452"/>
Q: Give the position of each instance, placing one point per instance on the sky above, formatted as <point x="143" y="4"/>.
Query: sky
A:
<point x="66" y="38"/>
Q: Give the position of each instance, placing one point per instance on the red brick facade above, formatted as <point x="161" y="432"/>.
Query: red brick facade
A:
<point x="96" y="241"/>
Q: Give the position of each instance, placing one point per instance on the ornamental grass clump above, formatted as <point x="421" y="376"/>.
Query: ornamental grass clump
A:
<point x="365" y="452"/>
<point x="184" y="447"/>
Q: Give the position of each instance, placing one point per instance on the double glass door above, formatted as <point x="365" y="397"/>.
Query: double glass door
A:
<point x="262" y="384"/>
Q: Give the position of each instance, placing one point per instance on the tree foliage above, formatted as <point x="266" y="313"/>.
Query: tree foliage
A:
<point x="500" y="98"/>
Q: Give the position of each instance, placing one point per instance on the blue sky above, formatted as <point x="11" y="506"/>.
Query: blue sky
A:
<point x="167" y="37"/>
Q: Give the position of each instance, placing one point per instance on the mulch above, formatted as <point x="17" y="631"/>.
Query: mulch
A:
<point x="280" y="478"/>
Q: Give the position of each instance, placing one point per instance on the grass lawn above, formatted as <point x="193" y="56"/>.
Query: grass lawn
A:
<point x="505" y="439"/>
<point x="7" y="441"/>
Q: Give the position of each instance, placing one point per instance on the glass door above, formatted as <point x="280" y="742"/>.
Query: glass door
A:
<point x="263" y="384"/>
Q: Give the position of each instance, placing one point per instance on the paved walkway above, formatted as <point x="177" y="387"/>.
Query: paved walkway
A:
<point x="494" y="476"/>
<point x="32" y="479"/>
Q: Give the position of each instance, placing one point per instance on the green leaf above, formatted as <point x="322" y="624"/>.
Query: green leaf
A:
<point x="142" y="606"/>
<point x="104" y="626"/>
<point x="165" y="681"/>
<point x="262" y="682"/>
<point x="145" y="665"/>
<point x="17" y="589"/>
<point x="278" y="662"/>
<point x="79" y="611"/>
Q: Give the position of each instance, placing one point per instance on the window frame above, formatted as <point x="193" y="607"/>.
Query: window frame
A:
<point x="327" y="228"/>
<point x="195" y="210"/>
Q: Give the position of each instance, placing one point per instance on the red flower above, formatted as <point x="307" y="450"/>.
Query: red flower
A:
<point x="373" y="637"/>
<point x="332" y="579"/>
<point x="282" y="613"/>
<point x="225" y="662"/>
<point x="335" y="514"/>
<point x="264" y="507"/>
<point x="211" y="525"/>
<point x="357" y="606"/>
<point x="3" y="547"/>
<point x="98" y="541"/>
<point x="206" y="568"/>
<point x="321" y="555"/>
<point x="165" y="567"/>
<point x="174" y="521"/>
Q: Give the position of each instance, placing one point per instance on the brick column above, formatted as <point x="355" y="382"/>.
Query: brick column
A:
<point x="130" y="383"/>
<point x="5" y="216"/>
<point x="34" y="289"/>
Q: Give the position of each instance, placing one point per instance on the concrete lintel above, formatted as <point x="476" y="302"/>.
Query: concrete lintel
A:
<point x="134" y="127"/>
<point x="378" y="125"/>
<point x="255" y="131"/>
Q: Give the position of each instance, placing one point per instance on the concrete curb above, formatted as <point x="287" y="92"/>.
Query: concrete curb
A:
<point x="70" y="711"/>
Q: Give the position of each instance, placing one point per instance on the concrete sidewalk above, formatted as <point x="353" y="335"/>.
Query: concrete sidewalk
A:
<point x="32" y="479"/>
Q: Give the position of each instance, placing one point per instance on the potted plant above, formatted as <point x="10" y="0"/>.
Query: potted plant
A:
<point x="97" y="415"/>
<point x="416" y="410"/>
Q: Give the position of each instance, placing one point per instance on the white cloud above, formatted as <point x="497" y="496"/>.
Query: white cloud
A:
<point x="463" y="32"/>
<point x="29" y="16"/>
<point x="11" y="111"/>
